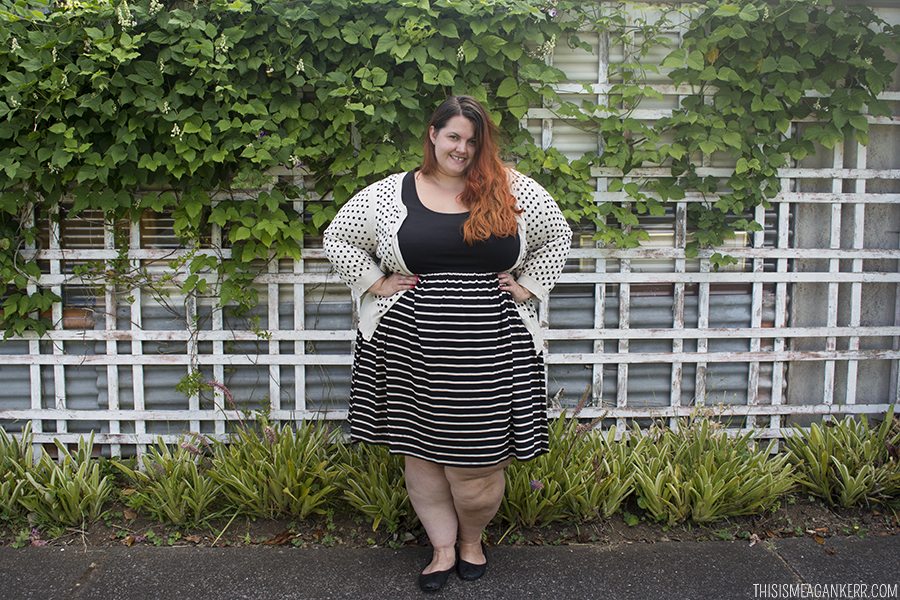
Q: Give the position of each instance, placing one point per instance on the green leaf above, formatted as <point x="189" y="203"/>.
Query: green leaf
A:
<point x="695" y="60"/>
<point x="749" y="13"/>
<point x="675" y="59"/>
<point x="508" y="87"/>
<point x="518" y="106"/>
<point x="859" y="122"/>
<point x="491" y="44"/>
<point x="798" y="14"/>
<point x="788" y="64"/>
<point x="733" y="139"/>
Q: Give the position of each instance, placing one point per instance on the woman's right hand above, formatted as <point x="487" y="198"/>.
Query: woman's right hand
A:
<point x="393" y="283"/>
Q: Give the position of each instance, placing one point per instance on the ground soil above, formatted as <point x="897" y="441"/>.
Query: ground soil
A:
<point x="796" y="517"/>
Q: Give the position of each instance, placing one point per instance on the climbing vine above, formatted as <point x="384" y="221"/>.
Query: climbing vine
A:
<point x="182" y="108"/>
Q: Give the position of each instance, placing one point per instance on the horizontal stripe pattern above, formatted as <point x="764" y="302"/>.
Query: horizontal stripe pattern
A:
<point x="451" y="376"/>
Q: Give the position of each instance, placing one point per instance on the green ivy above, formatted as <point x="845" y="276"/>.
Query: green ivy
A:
<point x="104" y="102"/>
<point x="181" y="108"/>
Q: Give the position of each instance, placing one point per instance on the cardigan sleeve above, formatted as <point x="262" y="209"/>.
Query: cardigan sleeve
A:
<point x="350" y="242"/>
<point x="548" y="238"/>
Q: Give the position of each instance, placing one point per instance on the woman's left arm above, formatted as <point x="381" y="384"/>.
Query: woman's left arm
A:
<point x="548" y="238"/>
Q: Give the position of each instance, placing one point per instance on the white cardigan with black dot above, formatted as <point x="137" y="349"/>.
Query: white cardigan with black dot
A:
<point x="361" y="243"/>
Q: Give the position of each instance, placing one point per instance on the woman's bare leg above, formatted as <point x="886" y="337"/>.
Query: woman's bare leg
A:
<point x="430" y="495"/>
<point x="454" y="503"/>
<point x="477" y="494"/>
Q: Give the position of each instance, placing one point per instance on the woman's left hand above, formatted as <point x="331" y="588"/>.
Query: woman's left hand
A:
<point x="509" y="284"/>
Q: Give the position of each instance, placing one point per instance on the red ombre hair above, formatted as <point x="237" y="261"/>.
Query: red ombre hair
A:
<point x="492" y="208"/>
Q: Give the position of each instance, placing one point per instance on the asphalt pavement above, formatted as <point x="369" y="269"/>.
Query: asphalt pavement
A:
<point x="842" y="567"/>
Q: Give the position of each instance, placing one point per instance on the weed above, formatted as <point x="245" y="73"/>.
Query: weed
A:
<point x="23" y="538"/>
<point x="724" y="534"/>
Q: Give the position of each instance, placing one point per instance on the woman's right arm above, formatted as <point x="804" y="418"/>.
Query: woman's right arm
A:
<point x="350" y="243"/>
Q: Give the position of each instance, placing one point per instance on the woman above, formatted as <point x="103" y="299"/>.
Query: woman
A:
<point x="448" y="368"/>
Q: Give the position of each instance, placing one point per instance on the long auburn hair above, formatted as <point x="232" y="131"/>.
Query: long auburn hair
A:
<point x="492" y="208"/>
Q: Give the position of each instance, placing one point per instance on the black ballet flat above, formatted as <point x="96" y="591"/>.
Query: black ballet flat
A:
<point x="432" y="582"/>
<point x="469" y="572"/>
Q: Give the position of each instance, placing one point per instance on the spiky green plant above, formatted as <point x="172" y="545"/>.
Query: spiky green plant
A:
<point x="847" y="462"/>
<point x="277" y="471"/>
<point x="372" y="481"/>
<point x="697" y="471"/>
<point x="585" y="475"/>
<point x="16" y="457"/>
<point x="67" y="492"/>
<point x="172" y="486"/>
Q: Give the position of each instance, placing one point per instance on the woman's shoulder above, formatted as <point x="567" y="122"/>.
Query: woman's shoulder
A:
<point x="522" y="186"/>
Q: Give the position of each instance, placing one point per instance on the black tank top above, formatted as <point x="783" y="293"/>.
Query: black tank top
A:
<point x="432" y="242"/>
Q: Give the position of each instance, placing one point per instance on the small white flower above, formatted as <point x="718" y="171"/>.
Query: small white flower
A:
<point x="53" y="54"/>
<point x="869" y="60"/>
<point x="155" y="7"/>
<point x="123" y="13"/>
<point x="165" y="108"/>
<point x="269" y="70"/>
<point x="765" y="12"/>
<point x="300" y="67"/>
<point x="14" y="45"/>
<point x="545" y="49"/>
<point x="14" y="102"/>
<point x="177" y="132"/>
<point x="460" y="55"/>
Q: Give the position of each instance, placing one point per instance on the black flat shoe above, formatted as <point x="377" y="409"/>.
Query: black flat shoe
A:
<point x="432" y="582"/>
<point x="469" y="572"/>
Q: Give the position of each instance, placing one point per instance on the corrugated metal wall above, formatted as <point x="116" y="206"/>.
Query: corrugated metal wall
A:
<point x="807" y="323"/>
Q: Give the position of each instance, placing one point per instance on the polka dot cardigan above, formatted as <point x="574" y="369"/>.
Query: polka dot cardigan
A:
<point x="361" y="243"/>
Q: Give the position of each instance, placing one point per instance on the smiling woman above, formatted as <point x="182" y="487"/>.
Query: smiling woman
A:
<point x="461" y="156"/>
<point x="448" y="370"/>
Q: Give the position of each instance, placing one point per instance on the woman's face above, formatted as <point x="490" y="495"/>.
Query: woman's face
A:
<point x="454" y="146"/>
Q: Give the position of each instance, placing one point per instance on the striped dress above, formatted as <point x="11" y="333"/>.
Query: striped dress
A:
<point x="451" y="374"/>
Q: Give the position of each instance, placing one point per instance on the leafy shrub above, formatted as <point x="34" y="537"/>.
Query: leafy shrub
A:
<point x="278" y="471"/>
<point x="372" y="481"/>
<point x="847" y="462"/>
<point x="699" y="472"/>
<point x="16" y="455"/>
<point x="67" y="492"/>
<point x="173" y="486"/>
<point x="584" y="476"/>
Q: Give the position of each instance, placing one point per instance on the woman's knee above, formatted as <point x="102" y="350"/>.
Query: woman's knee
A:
<point x="477" y="488"/>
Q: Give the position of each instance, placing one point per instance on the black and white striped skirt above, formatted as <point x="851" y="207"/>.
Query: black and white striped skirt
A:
<point x="451" y="376"/>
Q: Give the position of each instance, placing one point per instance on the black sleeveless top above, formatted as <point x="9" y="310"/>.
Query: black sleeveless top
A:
<point x="432" y="242"/>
